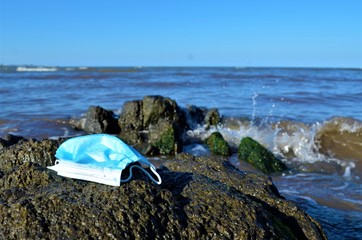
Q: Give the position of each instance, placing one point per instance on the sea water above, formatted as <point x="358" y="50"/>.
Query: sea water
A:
<point x="310" y="118"/>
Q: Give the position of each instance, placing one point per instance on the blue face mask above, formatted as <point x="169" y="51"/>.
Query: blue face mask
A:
<point x="99" y="158"/>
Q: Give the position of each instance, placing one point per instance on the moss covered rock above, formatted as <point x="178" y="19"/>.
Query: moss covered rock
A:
<point x="154" y="125"/>
<point x="164" y="139"/>
<point x="217" y="144"/>
<point x="254" y="153"/>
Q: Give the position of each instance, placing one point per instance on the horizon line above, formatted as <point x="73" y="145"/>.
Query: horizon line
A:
<point x="175" y="66"/>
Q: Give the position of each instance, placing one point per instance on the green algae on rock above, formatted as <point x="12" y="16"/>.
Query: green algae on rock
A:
<point x="217" y="144"/>
<point x="254" y="153"/>
<point x="164" y="139"/>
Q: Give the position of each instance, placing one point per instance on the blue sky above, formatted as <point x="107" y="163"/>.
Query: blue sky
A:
<point x="181" y="33"/>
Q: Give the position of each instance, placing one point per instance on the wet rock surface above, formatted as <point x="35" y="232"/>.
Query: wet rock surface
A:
<point x="200" y="198"/>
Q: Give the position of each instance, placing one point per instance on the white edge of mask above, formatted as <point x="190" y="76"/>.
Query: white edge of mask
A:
<point x="102" y="175"/>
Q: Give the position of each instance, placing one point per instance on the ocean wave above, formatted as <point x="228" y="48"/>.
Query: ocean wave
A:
<point x="341" y="138"/>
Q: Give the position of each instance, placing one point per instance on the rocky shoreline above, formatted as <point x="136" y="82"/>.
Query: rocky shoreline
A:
<point x="200" y="197"/>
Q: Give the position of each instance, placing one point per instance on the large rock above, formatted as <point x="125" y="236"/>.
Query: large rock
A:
<point x="292" y="222"/>
<point x="254" y="153"/>
<point x="200" y="198"/>
<point x="154" y="125"/>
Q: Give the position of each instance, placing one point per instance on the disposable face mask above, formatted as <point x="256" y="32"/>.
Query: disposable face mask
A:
<point x="99" y="158"/>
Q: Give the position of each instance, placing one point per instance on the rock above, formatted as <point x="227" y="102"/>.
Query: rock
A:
<point x="158" y="107"/>
<point x="99" y="120"/>
<point x="77" y="124"/>
<point x="257" y="155"/>
<point x="9" y="140"/>
<point x="218" y="145"/>
<point x="132" y="116"/>
<point x="33" y="151"/>
<point x="200" y="198"/>
<point x="164" y="138"/>
<point x="285" y="215"/>
<point x="212" y="117"/>
<point x="203" y="116"/>
<point x="154" y="125"/>
<point x="196" y="114"/>
<point x="131" y="124"/>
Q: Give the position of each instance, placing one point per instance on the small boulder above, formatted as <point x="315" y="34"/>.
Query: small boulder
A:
<point x="158" y="107"/>
<point x="154" y="125"/>
<point x="164" y="139"/>
<point x="9" y="140"/>
<point x="99" y="120"/>
<point x="196" y="115"/>
<point x="217" y="144"/>
<point x="254" y="153"/>
<point x="131" y="118"/>
<point x="212" y="117"/>
<point x="203" y="116"/>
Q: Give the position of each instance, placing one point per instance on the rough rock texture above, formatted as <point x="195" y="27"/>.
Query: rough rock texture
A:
<point x="9" y="140"/>
<point x="28" y="151"/>
<point x="203" y="116"/>
<point x="200" y="198"/>
<point x="254" y="153"/>
<point x="212" y="117"/>
<point x="154" y="125"/>
<point x="99" y="120"/>
<point x="217" y="144"/>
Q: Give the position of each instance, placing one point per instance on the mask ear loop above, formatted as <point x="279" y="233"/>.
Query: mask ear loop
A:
<point x="153" y="169"/>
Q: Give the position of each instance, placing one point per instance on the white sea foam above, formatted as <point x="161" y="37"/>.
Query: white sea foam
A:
<point x="36" y="69"/>
<point x="351" y="128"/>
<point x="347" y="171"/>
<point x="196" y="149"/>
<point x="343" y="186"/>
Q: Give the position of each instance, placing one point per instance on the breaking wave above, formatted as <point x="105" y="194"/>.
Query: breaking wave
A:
<point x="333" y="146"/>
